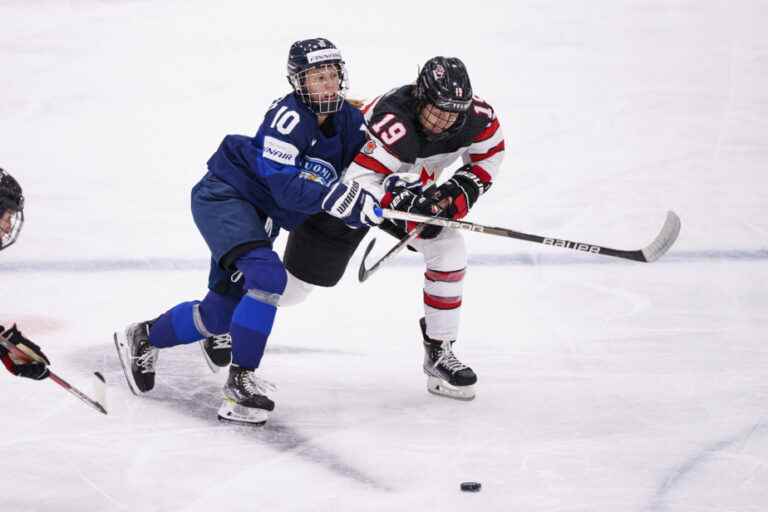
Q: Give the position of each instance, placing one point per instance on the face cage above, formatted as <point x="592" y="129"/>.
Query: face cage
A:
<point x="448" y="132"/>
<point x="313" y="101"/>
<point x="17" y="221"/>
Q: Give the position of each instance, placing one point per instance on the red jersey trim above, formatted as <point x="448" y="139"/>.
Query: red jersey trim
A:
<point x="488" y="154"/>
<point x="489" y="132"/>
<point x="372" y="164"/>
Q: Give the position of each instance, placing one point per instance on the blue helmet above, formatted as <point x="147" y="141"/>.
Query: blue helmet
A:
<point x="316" y="53"/>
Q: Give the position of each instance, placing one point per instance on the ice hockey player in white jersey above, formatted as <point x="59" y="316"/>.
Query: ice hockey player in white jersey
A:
<point x="415" y="133"/>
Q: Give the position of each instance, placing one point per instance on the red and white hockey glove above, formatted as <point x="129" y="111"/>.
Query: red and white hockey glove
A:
<point x="464" y="188"/>
<point x="33" y="366"/>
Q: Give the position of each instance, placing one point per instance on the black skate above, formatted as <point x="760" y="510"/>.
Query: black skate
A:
<point x="137" y="357"/>
<point x="217" y="350"/>
<point x="446" y="375"/>
<point x="244" y="399"/>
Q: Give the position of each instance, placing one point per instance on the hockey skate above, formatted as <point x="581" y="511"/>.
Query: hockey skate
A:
<point x="217" y="351"/>
<point x="244" y="399"/>
<point x="137" y="357"/>
<point x="446" y="375"/>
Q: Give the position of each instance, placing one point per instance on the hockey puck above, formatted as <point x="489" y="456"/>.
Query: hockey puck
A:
<point x="99" y="376"/>
<point x="471" y="486"/>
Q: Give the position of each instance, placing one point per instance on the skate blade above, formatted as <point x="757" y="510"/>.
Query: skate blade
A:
<point x="214" y="368"/>
<point x="440" y="387"/>
<point x="231" y="412"/>
<point x="121" y="344"/>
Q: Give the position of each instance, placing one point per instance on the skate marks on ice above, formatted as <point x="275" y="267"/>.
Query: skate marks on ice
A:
<point x="497" y="259"/>
<point x="185" y="385"/>
<point x="719" y="457"/>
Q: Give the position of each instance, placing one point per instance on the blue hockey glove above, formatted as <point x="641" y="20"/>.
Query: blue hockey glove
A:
<point x="352" y="204"/>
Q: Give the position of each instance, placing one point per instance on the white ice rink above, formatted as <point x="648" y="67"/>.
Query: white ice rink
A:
<point x="604" y="385"/>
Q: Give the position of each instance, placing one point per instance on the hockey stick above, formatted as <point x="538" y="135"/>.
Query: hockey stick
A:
<point x="27" y="356"/>
<point x="364" y="273"/>
<point x="653" y="251"/>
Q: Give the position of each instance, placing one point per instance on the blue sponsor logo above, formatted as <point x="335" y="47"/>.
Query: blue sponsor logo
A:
<point x="318" y="170"/>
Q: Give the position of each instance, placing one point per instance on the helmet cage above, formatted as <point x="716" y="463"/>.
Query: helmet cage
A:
<point x="318" y="102"/>
<point x="16" y="222"/>
<point x="11" y="209"/>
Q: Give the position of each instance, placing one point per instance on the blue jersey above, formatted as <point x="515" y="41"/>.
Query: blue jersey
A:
<point x="286" y="169"/>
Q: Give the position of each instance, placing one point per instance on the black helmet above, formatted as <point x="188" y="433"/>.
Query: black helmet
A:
<point x="307" y="54"/>
<point x="11" y="200"/>
<point x="444" y="82"/>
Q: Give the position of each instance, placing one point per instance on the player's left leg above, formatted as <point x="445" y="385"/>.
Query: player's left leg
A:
<point x="245" y="399"/>
<point x="446" y="260"/>
<point x="230" y="226"/>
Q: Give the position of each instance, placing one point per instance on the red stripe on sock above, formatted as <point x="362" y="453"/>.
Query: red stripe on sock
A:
<point x="445" y="277"/>
<point x="436" y="302"/>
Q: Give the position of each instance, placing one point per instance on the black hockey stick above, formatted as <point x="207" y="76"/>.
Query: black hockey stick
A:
<point x="653" y="251"/>
<point x="364" y="273"/>
<point x="27" y="356"/>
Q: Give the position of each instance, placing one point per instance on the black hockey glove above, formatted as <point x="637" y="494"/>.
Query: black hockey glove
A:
<point x="404" y="200"/>
<point x="463" y="189"/>
<point x="27" y="367"/>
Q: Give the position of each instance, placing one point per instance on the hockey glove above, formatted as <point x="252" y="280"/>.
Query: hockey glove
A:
<point x="463" y="189"/>
<point x="34" y="366"/>
<point x="352" y="204"/>
<point x="404" y="200"/>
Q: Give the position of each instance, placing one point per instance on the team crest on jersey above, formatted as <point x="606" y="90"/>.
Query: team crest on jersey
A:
<point x="369" y="147"/>
<point x="318" y="170"/>
<point x="438" y="72"/>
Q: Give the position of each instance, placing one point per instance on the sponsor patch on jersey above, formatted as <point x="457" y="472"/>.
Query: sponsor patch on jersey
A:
<point x="318" y="170"/>
<point x="369" y="147"/>
<point x="280" y="151"/>
<point x="323" y="55"/>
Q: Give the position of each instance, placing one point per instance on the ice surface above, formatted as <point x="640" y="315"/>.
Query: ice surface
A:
<point x="604" y="385"/>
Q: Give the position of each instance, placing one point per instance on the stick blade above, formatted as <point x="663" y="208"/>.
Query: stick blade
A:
<point x="665" y="239"/>
<point x="362" y="272"/>
<point x="100" y="392"/>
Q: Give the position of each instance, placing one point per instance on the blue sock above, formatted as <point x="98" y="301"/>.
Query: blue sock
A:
<point x="251" y="325"/>
<point x="175" y="327"/>
<point x="265" y="280"/>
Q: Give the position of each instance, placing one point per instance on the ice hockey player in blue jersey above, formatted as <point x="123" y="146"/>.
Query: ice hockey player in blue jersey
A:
<point x="254" y="186"/>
